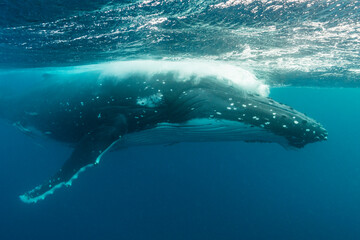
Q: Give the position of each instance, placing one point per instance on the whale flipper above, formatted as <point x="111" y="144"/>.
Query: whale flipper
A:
<point x="86" y="154"/>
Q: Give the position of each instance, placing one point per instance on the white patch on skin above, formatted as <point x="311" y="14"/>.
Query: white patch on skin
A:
<point x="21" y="128"/>
<point x="32" y="113"/>
<point x="151" y="101"/>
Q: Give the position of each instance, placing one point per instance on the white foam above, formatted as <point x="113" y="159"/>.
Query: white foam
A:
<point x="188" y="70"/>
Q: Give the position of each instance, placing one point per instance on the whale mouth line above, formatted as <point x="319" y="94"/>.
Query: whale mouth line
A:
<point x="201" y="130"/>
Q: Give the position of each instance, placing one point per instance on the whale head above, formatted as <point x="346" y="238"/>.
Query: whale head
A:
<point x="221" y="114"/>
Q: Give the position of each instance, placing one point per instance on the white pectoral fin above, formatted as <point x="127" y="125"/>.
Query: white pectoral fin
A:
<point x="86" y="154"/>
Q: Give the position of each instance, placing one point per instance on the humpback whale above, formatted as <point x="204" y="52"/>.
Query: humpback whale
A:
<point x="97" y="110"/>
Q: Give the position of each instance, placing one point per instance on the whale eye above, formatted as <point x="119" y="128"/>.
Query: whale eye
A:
<point x="304" y="122"/>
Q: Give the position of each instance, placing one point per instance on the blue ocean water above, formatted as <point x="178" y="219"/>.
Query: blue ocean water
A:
<point x="306" y="51"/>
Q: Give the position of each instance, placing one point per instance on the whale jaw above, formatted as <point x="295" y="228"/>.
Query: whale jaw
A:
<point x="201" y="130"/>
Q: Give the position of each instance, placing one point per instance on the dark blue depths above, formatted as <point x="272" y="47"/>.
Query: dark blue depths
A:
<point x="197" y="191"/>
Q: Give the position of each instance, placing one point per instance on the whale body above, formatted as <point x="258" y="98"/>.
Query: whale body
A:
<point x="95" y="111"/>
